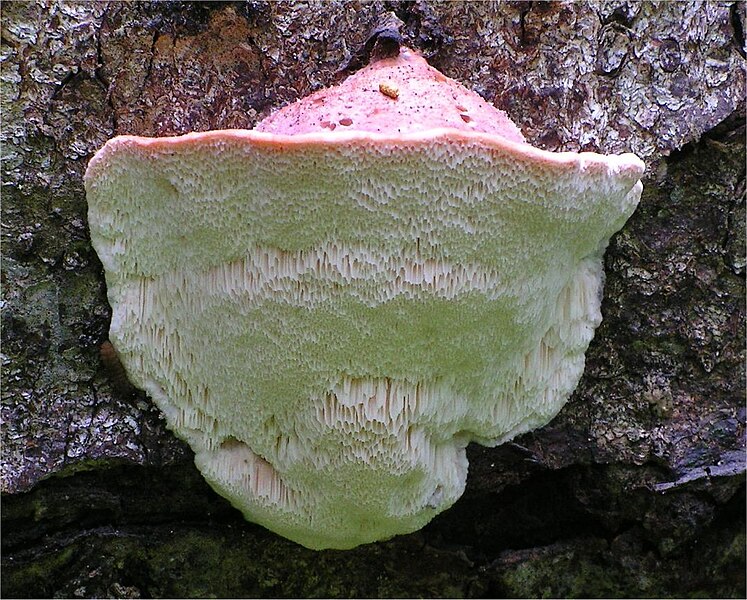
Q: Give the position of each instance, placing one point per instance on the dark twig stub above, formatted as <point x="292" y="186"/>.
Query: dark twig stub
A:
<point x="383" y="41"/>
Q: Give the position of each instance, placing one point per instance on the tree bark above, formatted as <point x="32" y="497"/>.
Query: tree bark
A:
<point x="635" y="489"/>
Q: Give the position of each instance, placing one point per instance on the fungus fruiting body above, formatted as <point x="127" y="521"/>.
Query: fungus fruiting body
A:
<point x="330" y="307"/>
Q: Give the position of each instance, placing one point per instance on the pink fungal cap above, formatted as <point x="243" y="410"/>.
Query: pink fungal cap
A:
<point x="399" y="95"/>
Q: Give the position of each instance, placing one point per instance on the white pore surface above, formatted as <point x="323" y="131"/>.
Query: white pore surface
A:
<point x="329" y="319"/>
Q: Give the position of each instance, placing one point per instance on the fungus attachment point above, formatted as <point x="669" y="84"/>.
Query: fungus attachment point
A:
<point x="329" y="308"/>
<point x="115" y="370"/>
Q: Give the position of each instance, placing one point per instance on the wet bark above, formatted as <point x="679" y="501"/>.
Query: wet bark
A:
<point x="635" y="489"/>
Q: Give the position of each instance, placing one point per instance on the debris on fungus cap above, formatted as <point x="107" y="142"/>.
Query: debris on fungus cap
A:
<point x="329" y="308"/>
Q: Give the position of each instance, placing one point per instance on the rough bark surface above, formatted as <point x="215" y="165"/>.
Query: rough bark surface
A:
<point x="635" y="489"/>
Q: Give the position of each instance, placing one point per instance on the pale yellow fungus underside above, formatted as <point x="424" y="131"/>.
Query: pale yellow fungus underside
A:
<point x="329" y="319"/>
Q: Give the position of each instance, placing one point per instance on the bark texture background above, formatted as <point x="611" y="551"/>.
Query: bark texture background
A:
<point x="635" y="489"/>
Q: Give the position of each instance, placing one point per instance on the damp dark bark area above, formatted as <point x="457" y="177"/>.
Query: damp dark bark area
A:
<point x="635" y="489"/>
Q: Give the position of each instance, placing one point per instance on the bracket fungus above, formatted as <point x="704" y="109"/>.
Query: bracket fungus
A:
<point x="330" y="307"/>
